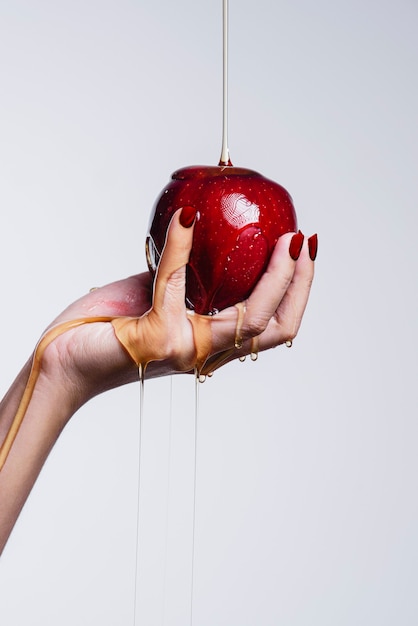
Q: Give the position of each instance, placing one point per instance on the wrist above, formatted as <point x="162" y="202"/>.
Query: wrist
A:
<point x="56" y="390"/>
<point x="83" y="362"/>
<point x="27" y="439"/>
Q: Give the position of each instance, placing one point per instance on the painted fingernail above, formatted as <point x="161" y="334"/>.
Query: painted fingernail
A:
<point x="313" y="246"/>
<point x="187" y="216"/>
<point x="296" y="244"/>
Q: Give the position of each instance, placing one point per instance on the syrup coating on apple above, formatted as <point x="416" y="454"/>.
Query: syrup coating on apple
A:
<point x="241" y="215"/>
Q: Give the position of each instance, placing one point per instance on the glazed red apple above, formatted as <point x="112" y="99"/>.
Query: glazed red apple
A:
<point x="241" y="215"/>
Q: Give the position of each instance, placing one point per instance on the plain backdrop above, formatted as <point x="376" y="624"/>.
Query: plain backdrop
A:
<point x="306" y="501"/>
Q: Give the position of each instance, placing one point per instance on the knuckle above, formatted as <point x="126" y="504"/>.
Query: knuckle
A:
<point x="176" y="281"/>
<point x="285" y="278"/>
<point x="286" y="330"/>
<point x="255" y="326"/>
<point x="180" y="352"/>
<point x="308" y="281"/>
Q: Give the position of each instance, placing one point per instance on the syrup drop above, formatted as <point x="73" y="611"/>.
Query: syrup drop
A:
<point x="289" y="343"/>
<point x="254" y="349"/>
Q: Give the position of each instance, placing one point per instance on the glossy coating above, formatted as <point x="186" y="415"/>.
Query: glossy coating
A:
<point x="240" y="216"/>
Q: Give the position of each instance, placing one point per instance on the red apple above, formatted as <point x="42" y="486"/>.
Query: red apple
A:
<point x="241" y="215"/>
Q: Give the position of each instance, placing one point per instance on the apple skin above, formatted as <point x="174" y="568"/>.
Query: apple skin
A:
<point x="240" y="216"/>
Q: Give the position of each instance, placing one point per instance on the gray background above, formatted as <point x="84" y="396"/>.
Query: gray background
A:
<point x="306" y="494"/>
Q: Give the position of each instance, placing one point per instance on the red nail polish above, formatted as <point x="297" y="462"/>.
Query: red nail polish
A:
<point x="296" y="244"/>
<point x="313" y="246"/>
<point x="187" y="216"/>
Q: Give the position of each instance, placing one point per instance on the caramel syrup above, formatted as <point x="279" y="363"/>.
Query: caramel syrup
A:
<point x="141" y="378"/>
<point x="42" y="345"/>
<point x="241" y="314"/>
<point x="225" y="158"/>
<point x="254" y="349"/>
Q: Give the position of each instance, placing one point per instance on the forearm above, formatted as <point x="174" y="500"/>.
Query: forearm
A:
<point x="49" y="410"/>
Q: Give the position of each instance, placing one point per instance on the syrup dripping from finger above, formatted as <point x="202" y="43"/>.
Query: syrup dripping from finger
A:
<point x="254" y="349"/>
<point x="141" y="378"/>
<point x="196" y="421"/>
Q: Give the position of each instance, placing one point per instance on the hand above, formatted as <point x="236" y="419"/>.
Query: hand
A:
<point x="155" y="330"/>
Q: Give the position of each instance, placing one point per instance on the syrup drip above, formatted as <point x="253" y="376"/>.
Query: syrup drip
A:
<point x="167" y="513"/>
<point x="141" y="377"/>
<point x="196" y="419"/>
<point x="289" y="343"/>
<point x="254" y="349"/>
<point x="214" y="363"/>
<point x="242" y="358"/>
<point x="241" y="314"/>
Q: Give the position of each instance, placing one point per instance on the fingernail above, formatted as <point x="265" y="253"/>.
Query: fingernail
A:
<point x="296" y="244"/>
<point x="187" y="216"/>
<point x="313" y="246"/>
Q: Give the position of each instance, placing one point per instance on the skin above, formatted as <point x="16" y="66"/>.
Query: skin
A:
<point x="130" y="323"/>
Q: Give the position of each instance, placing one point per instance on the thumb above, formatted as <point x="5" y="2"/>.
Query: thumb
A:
<point x="170" y="280"/>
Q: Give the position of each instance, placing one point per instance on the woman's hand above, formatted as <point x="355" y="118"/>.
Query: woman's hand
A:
<point x="154" y="329"/>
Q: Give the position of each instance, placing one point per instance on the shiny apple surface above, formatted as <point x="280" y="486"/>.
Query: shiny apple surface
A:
<point x="240" y="216"/>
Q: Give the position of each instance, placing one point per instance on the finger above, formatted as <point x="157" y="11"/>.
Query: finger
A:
<point x="271" y="288"/>
<point x="275" y="308"/>
<point x="245" y="320"/>
<point x="249" y="319"/>
<point x="170" y="280"/>
<point x="285" y="323"/>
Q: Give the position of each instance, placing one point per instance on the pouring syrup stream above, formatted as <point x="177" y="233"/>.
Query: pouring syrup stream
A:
<point x="225" y="158"/>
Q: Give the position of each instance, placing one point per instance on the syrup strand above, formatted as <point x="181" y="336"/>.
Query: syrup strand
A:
<point x="141" y="375"/>
<point x="47" y="338"/>
<point x="167" y="512"/>
<point x="196" y="415"/>
<point x="225" y="158"/>
<point x="240" y="306"/>
<point x="254" y="348"/>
